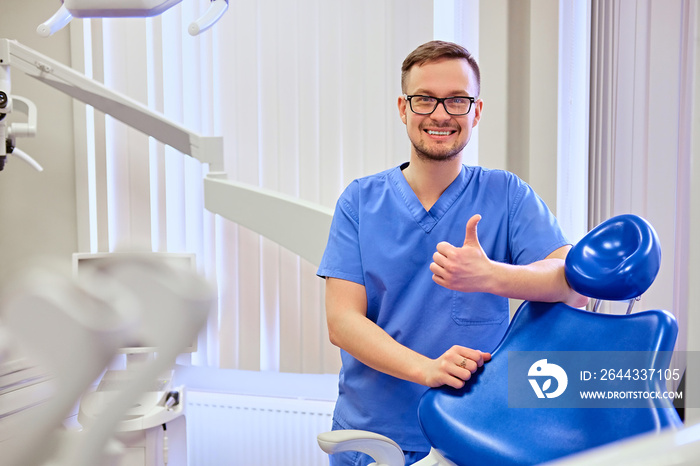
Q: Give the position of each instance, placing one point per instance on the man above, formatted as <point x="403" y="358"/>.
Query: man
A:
<point x="415" y="298"/>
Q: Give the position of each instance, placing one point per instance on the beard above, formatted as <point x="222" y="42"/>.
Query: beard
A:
<point x="438" y="152"/>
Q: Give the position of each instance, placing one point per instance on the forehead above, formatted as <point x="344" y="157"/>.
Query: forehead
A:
<point x="441" y="78"/>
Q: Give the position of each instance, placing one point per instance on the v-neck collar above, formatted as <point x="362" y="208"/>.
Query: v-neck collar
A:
<point x="428" y="219"/>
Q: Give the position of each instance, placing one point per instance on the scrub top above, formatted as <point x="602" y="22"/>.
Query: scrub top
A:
<point x="383" y="238"/>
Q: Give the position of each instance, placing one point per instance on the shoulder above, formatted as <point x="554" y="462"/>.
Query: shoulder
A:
<point x="363" y="190"/>
<point x="369" y="184"/>
<point x="494" y="174"/>
<point x="492" y="178"/>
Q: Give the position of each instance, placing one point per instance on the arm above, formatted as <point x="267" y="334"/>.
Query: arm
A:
<point x="467" y="268"/>
<point x="350" y="329"/>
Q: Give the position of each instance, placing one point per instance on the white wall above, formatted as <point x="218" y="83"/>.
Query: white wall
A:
<point x="37" y="210"/>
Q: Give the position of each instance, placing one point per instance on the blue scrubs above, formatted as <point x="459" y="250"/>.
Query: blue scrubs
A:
<point x="383" y="238"/>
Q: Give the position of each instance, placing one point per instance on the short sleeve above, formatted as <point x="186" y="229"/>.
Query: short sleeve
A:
<point x="534" y="230"/>
<point x="342" y="257"/>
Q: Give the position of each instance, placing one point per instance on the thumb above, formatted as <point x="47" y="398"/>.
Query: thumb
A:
<point x="471" y="238"/>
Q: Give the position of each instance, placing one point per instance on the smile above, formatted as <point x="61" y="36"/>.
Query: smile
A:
<point x="439" y="133"/>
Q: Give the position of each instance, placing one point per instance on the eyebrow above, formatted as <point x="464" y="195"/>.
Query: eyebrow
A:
<point x="460" y="93"/>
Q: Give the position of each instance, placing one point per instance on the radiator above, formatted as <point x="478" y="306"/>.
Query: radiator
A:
<point x="231" y="429"/>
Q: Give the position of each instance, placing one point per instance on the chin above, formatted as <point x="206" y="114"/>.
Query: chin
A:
<point x="437" y="157"/>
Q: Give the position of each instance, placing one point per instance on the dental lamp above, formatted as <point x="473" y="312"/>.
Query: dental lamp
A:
<point x="126" y="8"/>
<point x="299" y="226"/>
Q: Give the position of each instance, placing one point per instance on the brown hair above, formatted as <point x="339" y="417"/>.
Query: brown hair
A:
<point x="438" y="50"/>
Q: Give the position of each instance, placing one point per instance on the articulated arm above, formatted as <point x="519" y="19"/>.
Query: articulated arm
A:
<point x="125" y="109"/>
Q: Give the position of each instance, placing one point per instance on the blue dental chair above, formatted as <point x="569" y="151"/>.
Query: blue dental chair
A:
<point x="514" y="415"/>
<point x="618" y="260"/>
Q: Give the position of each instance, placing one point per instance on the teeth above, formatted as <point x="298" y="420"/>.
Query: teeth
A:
<point x="439" y="133"/>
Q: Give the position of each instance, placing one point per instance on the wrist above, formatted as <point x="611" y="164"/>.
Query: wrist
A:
<point x="498" y="278"/>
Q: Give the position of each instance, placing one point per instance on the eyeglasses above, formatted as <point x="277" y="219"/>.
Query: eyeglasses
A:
<point x="425" y="104"/>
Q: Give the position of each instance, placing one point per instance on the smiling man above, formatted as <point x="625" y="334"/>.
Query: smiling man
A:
<point x="415" y="297"/>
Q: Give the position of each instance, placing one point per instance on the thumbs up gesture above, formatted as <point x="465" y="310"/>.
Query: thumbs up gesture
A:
<point x="465" y="268"/>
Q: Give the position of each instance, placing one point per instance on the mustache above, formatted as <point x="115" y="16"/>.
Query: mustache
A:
<point x="435" y="125"/>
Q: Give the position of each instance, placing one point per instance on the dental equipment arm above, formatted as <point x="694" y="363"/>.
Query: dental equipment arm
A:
<point x="300" y="226"/>
<point x="125" y="109"/>
<point x="126" y="8"/>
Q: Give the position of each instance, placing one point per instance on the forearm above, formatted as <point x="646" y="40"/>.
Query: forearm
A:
<point x="468" y="269"/>
<point x="350" y="329"/>
<point x="540" y="281"/>
<point x="371" y="345"/>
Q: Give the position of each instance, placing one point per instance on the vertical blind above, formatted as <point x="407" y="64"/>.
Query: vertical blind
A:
<point x="641" y="95"/>
<point x="303" y="92"/>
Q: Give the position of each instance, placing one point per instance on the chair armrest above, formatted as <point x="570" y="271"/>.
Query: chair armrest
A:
<point x="382" y="449"/>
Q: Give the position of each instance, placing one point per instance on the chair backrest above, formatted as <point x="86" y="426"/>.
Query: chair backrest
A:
<point x="617" y="260"/>
<point x="488" y="421"/>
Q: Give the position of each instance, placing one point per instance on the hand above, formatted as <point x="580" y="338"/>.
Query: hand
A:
<point x="454" y="367"/>
<point x="466" y="268"/>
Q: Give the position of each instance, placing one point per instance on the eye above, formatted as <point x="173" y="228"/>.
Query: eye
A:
<point x="423" y="99"/>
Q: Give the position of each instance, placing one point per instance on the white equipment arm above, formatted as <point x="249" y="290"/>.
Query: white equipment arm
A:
<point x="133" y="113"/>
<point x="300" y="226"/>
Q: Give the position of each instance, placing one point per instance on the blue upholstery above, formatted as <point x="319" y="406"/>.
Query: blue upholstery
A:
<point x="617" y="260"/>
<point x="475" y="426"/>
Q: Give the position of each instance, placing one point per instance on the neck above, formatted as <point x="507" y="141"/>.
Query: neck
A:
<point x="429" y="178"/>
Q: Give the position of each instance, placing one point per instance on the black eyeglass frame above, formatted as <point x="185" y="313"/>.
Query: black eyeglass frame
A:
<point x="439" y="101"/>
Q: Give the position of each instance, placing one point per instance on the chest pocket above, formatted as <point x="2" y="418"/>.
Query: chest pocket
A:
<point x="479" y="308"/>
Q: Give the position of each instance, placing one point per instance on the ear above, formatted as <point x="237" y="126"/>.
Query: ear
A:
<point x="402" y="108"/>
<point x="478" y="107"/>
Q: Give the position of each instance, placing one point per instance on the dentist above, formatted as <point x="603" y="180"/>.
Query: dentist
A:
<point x="422" y="258"/>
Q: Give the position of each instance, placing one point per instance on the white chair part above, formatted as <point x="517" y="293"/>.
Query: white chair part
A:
<point x="383" y="450"/>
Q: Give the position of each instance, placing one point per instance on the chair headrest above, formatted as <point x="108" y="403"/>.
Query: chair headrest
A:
<point x="617" y="260"/>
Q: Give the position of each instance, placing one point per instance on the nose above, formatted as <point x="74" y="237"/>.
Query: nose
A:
<point x="440" y="112"/>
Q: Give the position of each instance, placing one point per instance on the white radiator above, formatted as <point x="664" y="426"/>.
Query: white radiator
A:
<point x="230" y="429"/>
